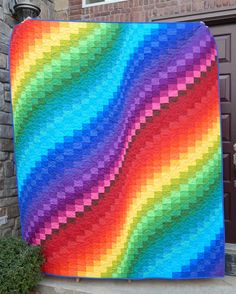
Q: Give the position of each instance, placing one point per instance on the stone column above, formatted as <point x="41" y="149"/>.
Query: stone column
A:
<point x="62" y="9"/>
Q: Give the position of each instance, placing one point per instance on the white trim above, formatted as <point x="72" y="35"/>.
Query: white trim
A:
<point x="205" y="15"/>
<point x="84" y="5"/>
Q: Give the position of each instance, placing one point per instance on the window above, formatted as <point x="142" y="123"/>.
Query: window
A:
<point x="87" y="3"/>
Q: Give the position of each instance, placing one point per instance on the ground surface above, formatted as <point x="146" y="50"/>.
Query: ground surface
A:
<point x="226" y="285"/>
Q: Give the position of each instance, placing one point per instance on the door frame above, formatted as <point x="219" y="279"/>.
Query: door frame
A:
<point x="217" y="17"/>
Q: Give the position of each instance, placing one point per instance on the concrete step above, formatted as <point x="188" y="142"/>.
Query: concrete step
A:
<point x="51" y="285"/>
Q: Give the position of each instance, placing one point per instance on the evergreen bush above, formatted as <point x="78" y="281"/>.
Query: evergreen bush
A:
<point x="20" y="266"/>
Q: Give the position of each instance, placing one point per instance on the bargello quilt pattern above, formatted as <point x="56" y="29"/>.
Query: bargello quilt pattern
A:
<point x="118" y="148"/>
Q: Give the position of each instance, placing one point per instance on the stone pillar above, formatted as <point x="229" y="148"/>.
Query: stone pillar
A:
<point x="62" y="9"/>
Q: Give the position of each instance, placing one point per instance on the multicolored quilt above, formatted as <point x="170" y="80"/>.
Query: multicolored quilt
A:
<point x="117" y="147"/>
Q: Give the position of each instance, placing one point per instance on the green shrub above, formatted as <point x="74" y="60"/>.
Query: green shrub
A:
<point x="20" y="266"/>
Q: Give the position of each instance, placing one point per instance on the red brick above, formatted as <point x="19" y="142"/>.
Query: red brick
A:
<point x="143" y="10"/>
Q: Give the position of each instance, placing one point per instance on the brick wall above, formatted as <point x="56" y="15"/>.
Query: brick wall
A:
<point x="144" y="10"/>
<point x="8" y="191"/>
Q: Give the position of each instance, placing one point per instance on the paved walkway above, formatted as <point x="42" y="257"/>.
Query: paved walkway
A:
<point x="226" y="285"/>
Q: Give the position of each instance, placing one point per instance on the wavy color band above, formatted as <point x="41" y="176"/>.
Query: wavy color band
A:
<point x="117" y="145"/>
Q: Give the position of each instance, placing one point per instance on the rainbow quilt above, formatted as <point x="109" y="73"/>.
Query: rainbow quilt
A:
<point x="118" y="148"/>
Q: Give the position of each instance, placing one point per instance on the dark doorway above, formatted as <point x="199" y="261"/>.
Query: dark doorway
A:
<point x="225" y="36"/>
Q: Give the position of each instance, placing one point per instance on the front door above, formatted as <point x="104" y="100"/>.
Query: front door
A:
<point x="225" y="36"/>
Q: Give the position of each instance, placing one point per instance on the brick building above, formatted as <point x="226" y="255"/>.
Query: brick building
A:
<point x="220" y="15"/>
<point x="143" y="10"/>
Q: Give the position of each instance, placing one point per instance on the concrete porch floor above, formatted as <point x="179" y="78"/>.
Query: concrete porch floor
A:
<point x="225" y="285"/>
